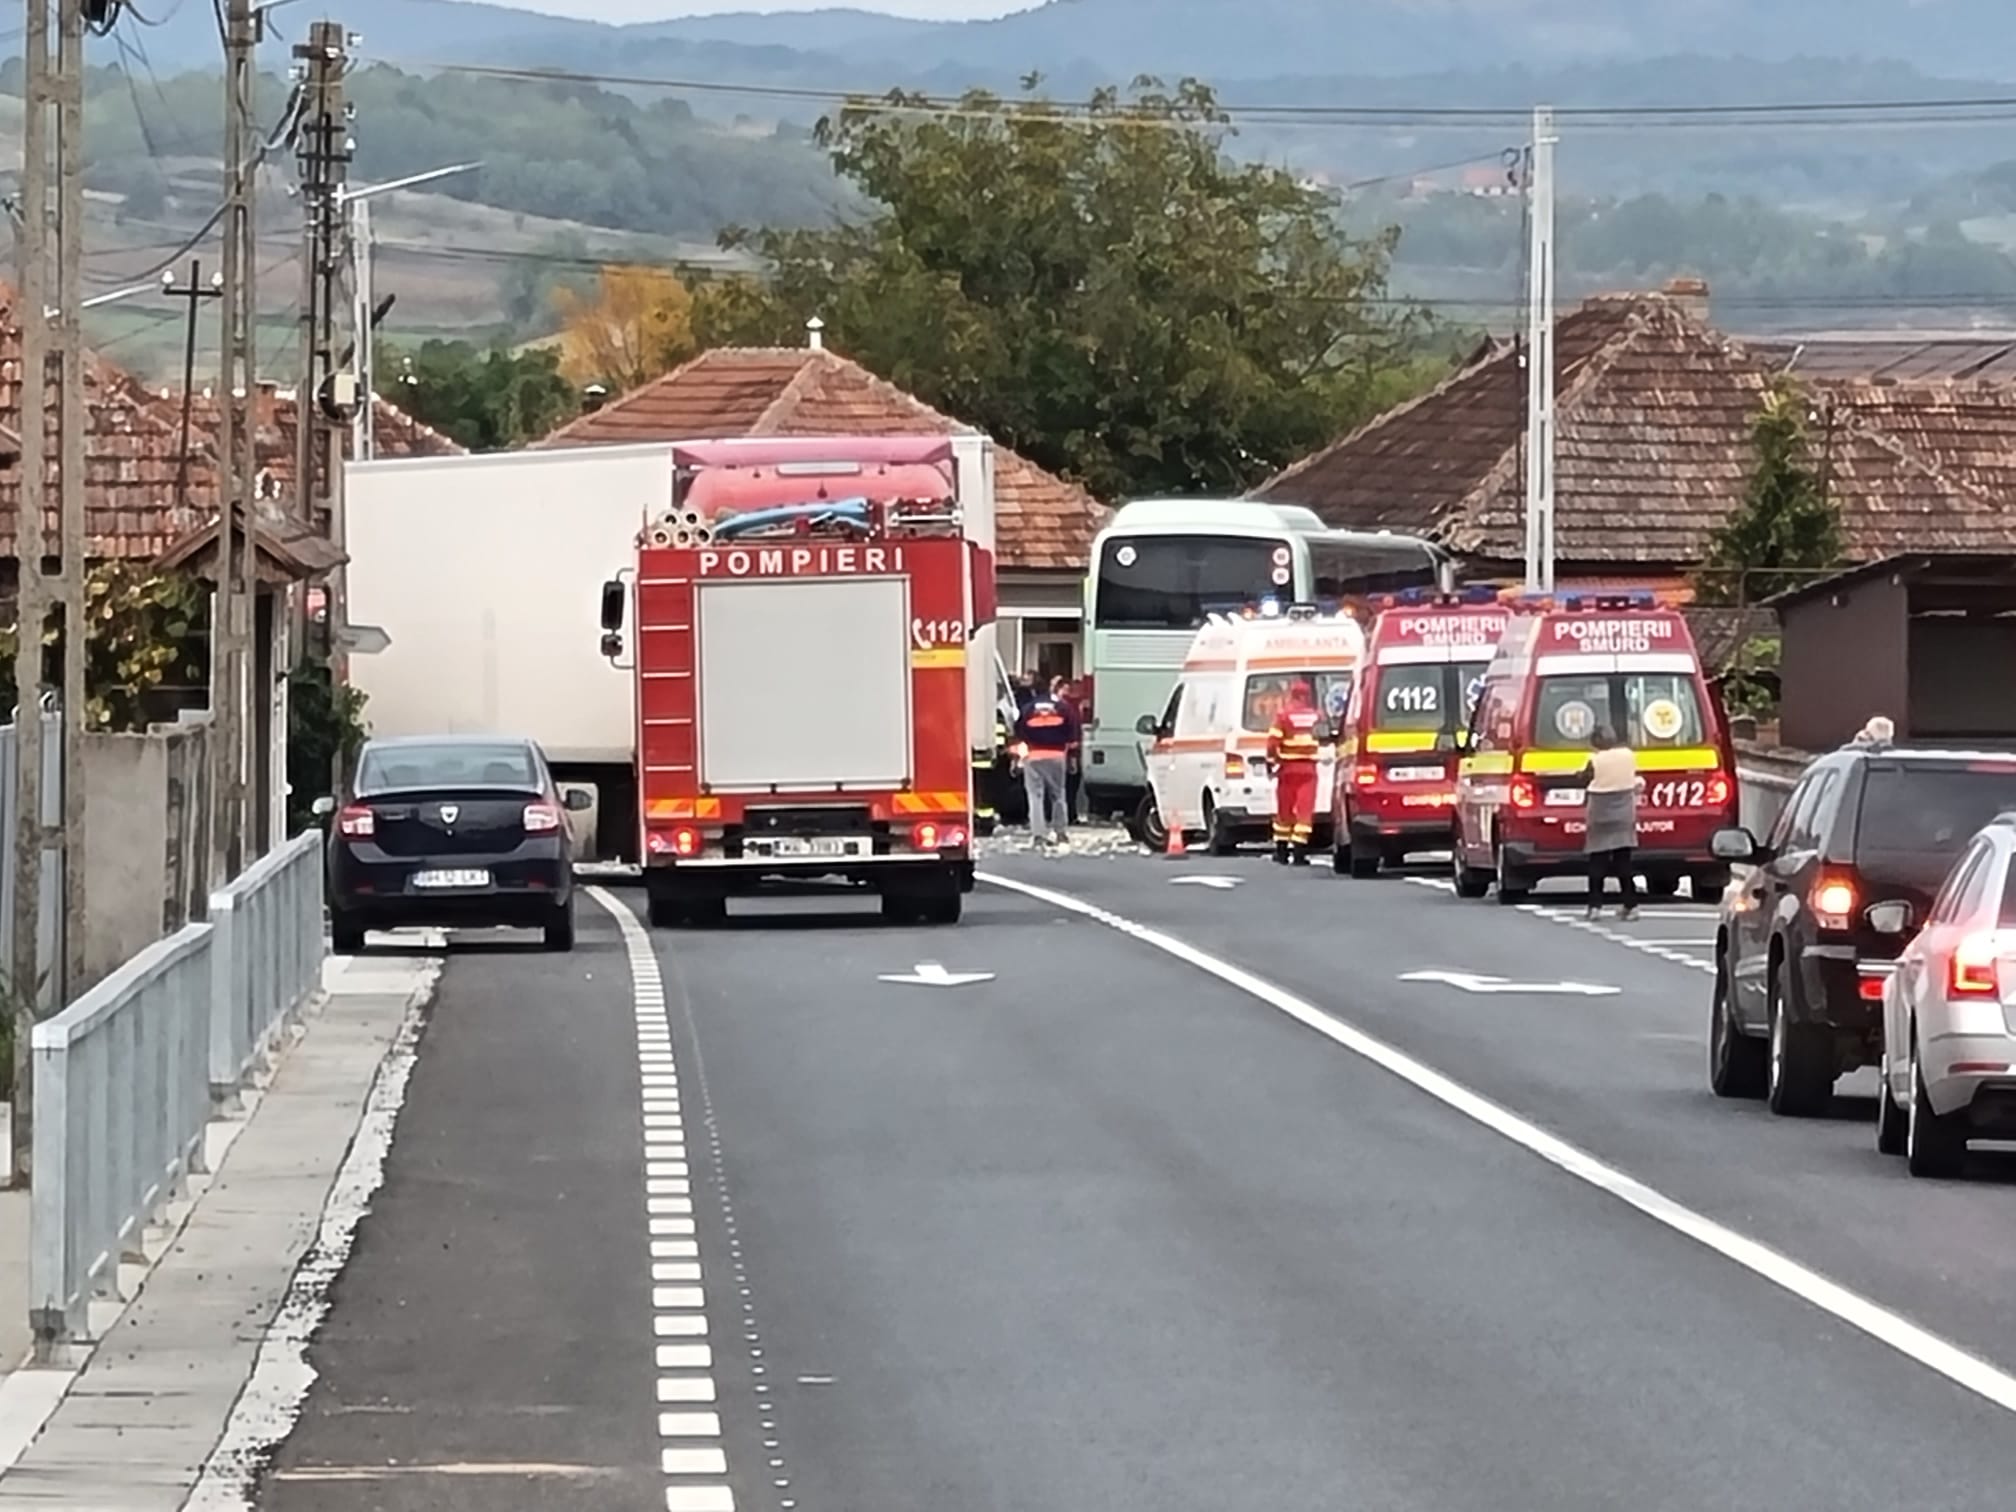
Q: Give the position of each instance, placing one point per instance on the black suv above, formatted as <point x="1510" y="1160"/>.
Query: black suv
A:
<point x="1799" y="971"/>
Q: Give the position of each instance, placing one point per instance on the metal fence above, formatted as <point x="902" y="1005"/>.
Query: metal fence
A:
<point x="127" y="1076"/>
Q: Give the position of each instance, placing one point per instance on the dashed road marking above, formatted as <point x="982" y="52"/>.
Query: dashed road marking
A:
<point x="1571" y="916"/>
<point x="696" y="1471"/>
<point x="1970" y="1372"/>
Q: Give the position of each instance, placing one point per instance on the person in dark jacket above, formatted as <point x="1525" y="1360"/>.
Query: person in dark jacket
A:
<point x="1046" y="732"/>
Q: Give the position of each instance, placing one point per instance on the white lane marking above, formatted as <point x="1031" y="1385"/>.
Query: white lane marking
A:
<point x="678" y="1295"/>
<point x="686" y="1388"/>
<point x="1571" y="916"/>
<point x="1858" y="1312"/>
<point x="702" y="1499"/>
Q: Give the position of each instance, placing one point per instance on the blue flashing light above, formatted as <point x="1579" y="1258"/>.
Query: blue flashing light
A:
<point x="1482" y="593"/>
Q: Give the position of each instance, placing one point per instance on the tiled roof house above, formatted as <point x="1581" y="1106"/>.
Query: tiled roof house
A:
<point x="1044" y="525"/>
<point x="1654" y="411"/>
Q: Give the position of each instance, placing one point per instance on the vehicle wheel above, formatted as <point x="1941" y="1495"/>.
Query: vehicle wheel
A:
<point x="1892" y="1122"/>
<point x="1738" y="1065"/>
<point x="1801" y="1066"/>
<point x="346" y="933"/>
<point x="560" y="928"/>
<point x="1470" y="882"/>
<point x="1514" y="885"/>
<point x="1218" y="840"/>
<point x="1708" y="884"/>
<point x="1935" y="1145"/>
<point x="942" y="908"/>
<point x="706" y="913"/>
<point x="664" y="910"/>
<point x="1364" y="859"/>
<point x="1662" y="887"/>
<point x="1148" y="826"/>
<point x="900" y="908"/>
<point x="1340" y="858"/>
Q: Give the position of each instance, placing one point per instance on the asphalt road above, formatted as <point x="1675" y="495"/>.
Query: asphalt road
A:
<point x="1106" y="1230"/>
<point x="488" y="1345"/>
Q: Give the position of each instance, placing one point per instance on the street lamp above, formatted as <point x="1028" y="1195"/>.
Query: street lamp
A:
<point x="358" y="203"/>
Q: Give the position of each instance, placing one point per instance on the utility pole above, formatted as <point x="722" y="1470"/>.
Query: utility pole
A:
<point x="1540" y="360"/>
<point x="50" y="242"/>
<point x="195" y="292"/>
<point x="238" y="448"/>
<point x="323" y="147"/>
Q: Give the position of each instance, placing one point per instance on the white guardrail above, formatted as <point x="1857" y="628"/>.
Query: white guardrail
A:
<point x="128" y="1076"/>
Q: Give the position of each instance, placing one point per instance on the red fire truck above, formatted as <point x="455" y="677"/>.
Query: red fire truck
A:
<point x="1425" y="664"/>
<point x="803" y="616"/>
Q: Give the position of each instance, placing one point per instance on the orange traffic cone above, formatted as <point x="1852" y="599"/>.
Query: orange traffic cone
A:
<point x="1174" y="846"/>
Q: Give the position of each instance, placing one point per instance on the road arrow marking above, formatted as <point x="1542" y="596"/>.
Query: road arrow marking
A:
<point x="1471" y="982"/>
<point x="931" y="974"/>
<point x="1221" y="884"/>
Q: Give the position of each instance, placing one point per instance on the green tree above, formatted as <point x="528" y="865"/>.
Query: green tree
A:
<point x="486" y="400"/>
<point x="1787" y="527"/>
<point x="147" y="635"/>
<point x="1101" y="288"/>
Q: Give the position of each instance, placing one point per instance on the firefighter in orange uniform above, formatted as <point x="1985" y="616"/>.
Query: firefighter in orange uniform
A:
<point x="1292" y="747"/>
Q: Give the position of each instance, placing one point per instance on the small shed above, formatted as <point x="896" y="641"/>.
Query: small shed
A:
<point x="1927" y="639"/>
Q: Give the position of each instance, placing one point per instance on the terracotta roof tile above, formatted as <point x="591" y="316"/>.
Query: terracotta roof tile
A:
<point x="1042" y="522"/>
<point x="1653" y="420"/>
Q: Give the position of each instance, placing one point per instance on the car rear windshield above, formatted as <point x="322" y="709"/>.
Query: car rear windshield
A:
<point x="1647" y="710"/>
<point x="1267" y="695"/>
<point x="1931" y="807"/>
<point x="457" y="764"/>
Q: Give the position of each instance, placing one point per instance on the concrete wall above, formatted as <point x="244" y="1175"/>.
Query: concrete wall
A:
<point x="146" y="860"/>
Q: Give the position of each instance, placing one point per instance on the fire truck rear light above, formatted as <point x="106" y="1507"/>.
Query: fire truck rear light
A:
<point x="1870" y="989"/>
<point x="357" y="821"/>
<point x="929" y="835"/>
<point x="542" y="818"/>
<point x="1365" y="774"/>
<point x="1972" y="971"/>
<point x="952" y="839"/>
<point x="685" y="841"/>
<point x="1235" y="768"/>
<point x="1717" y="787"/>
<point x="1525" y="793"/>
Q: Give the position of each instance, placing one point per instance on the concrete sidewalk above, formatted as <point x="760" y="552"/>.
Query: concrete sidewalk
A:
<point x="134" y="1428"/>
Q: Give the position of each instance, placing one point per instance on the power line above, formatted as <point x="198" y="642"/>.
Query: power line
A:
<point x="1827" y="113"/>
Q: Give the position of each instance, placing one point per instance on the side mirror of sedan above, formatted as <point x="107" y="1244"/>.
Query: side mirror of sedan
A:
<point x="322" y="807"/>
<point x="577" y="800"/>
<point x="1889" y="918"/>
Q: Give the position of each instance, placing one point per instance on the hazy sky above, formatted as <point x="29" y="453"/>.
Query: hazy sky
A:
<point x="663" y="10"/>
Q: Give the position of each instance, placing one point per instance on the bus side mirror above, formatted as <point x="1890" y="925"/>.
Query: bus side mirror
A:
<point x="612" y="608"/>
<point x="1147" y="724"/>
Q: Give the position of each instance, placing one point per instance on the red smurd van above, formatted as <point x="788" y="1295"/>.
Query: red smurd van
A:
<point x="1564" y="668"/>
<point x="1397" y="746"/>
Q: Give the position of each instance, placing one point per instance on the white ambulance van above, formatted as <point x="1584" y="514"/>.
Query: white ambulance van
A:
<point x="1203" y="756"/>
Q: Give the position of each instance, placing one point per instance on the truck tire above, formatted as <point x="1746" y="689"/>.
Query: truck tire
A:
<point x="943" y="908"/>
<point x="664" y="910"/>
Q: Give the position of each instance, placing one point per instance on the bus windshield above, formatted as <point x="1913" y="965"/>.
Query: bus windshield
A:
<point x="1170" y="582"/>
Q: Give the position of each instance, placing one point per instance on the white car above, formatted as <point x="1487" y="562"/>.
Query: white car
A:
<point x="1949" y="1013"/>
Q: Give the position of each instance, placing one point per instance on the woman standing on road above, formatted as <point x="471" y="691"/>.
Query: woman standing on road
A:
<point x="1611" y="808"/>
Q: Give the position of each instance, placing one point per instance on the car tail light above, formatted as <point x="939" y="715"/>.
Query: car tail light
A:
<point x="1717" y="789"/>
<point x="542" y="818"/>
<point x="1235" y="768"/>
<point x="1833" y="902"/>
<point x="357" y="821"/>
<point x="1972" y="971"/>
<point x="1870" y="989"/>
<point x="1525" y="793"/>
<point x="1365" y="774"/>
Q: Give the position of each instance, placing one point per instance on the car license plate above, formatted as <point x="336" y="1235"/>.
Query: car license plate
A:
<point x="451" y="879"/>
<point x="1414" y="774"/>
<point x="1564" y="797"/>
<point x="825" y="846"/>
